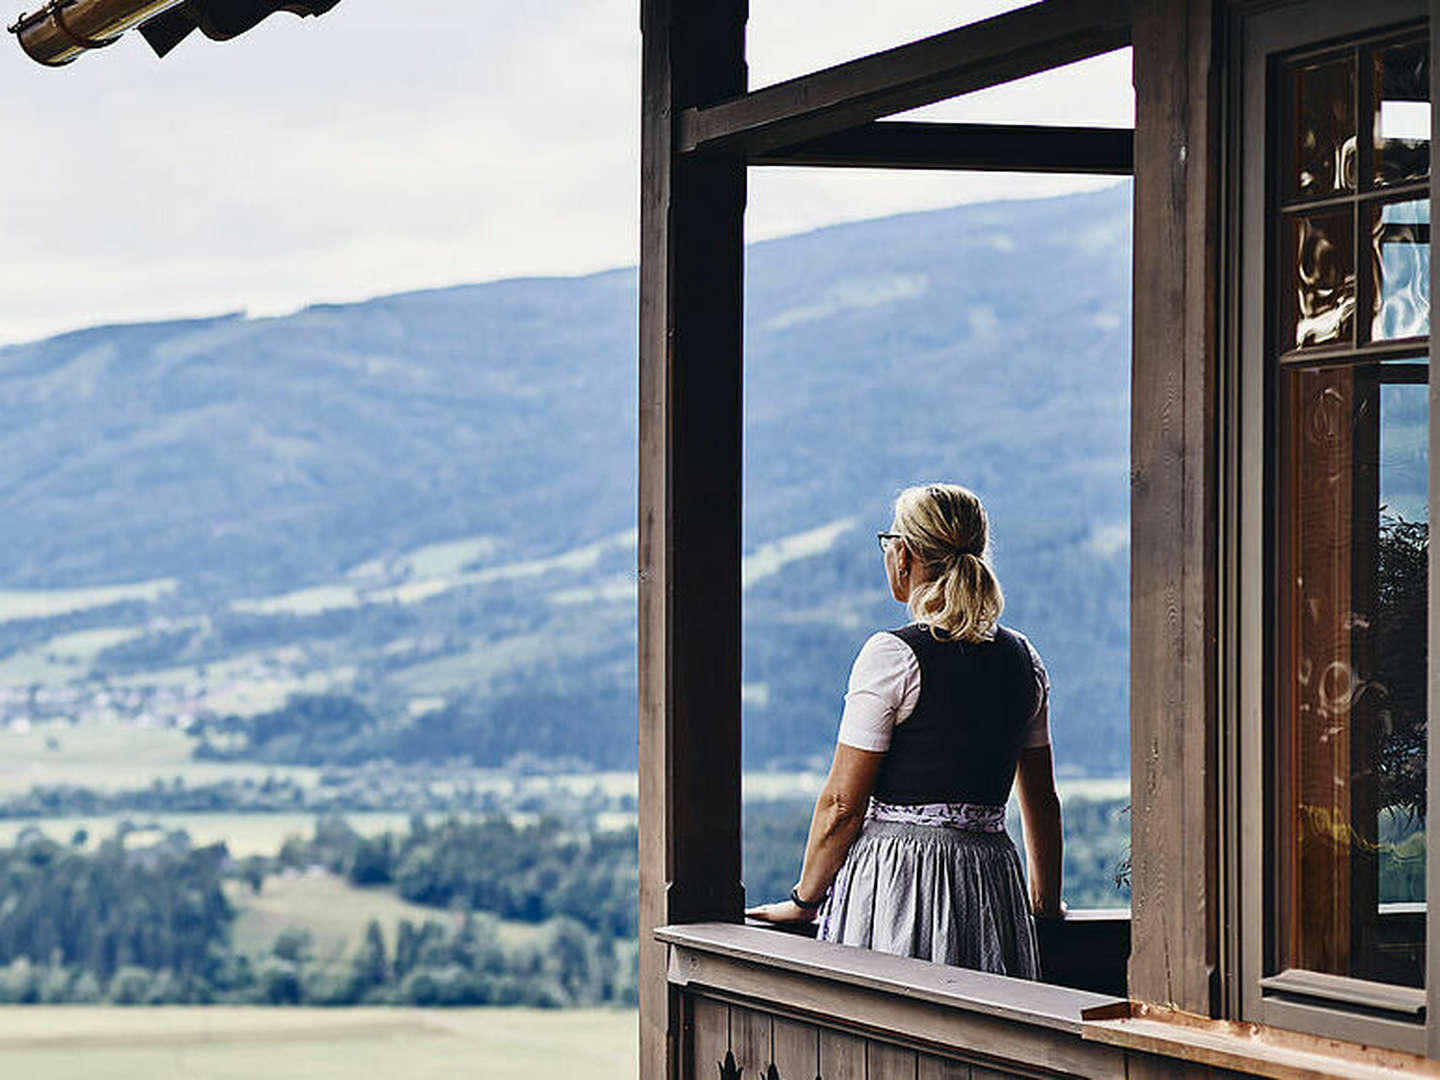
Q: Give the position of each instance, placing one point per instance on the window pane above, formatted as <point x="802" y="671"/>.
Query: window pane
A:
<point x="1321" y="291"/>
<point x="1324" y="129"/>
<point x="1400" y="262"/>
<point x="1402" y="113"/>
<point x="1352" y="751"/>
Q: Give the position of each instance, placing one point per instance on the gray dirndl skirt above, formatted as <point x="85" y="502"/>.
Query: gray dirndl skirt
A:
<point x="940" y="882"/>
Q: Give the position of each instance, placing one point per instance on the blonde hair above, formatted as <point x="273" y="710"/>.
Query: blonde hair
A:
<point x="946" y="531"/>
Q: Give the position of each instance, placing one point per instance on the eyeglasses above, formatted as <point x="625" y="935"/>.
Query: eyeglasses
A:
<point x="886" y="537"/>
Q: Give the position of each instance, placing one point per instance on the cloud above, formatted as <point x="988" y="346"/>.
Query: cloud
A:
<point x="378" y="149"/>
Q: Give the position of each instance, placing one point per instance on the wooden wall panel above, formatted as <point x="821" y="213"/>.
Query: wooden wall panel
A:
<point x="691" y="288"/>
<point x="842" y="1057"/>
<point x="728" y="1041"/>
<point x="886" y="1062"/>
<point x="980" y="1072"/>
<point x="750" y="1040"/>
<point x="1173" y="513"/>
<point x="709" y="1036"/>
<point x="797" y="1050"/>
<point x="935" y="1068"/>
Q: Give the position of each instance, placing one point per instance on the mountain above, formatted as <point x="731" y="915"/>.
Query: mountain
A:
<point x="424" y="503"/>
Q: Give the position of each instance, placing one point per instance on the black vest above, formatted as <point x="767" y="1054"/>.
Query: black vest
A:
<point x="963" y="739"/>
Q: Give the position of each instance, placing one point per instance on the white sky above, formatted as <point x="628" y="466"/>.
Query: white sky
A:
<point x="370" y="151"/>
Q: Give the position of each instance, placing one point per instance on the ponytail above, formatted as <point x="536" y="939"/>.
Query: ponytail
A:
<point x="945" y="528"/>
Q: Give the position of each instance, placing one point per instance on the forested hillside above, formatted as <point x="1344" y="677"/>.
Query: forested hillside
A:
<point x="418" y="511"/>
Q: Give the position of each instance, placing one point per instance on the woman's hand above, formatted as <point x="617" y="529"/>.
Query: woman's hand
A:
<point x="781" y="911"/>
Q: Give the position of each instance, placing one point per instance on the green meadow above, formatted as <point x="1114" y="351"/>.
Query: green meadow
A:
<point x="239" y="1043"/>
<point x="334" y="913"/>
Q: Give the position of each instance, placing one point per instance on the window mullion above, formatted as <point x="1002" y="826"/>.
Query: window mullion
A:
<point x="1432" y="850"/>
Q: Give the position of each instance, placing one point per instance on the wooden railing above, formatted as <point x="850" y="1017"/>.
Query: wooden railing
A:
<point x="757" y="1004"/>
<point x="773" y="1006"/>
<point x="1088" y="949"/>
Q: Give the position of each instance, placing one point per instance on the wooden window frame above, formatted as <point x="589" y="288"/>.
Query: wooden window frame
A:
<point x="1351" y="1009"/>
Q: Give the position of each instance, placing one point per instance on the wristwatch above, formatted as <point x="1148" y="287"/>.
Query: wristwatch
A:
<point x="804" y="905"/>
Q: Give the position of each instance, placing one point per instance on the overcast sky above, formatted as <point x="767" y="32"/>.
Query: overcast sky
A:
<point x="387" y="147"/>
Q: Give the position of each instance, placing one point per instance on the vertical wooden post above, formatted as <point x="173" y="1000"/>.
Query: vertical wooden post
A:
<point x="691" y="274"/>
<point x="1174" y="506"/>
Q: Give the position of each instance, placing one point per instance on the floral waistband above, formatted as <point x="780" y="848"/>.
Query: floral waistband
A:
<point x="972" y="817"/>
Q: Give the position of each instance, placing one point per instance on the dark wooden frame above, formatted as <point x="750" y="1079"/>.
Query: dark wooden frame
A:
<point x="1174" y="730"/>
<point x="997" y="50"/>
<point x="692" y="196"/>
<point x="899" y="144"/>
<point x="691" y="272"/>
<point x="1380" y="1015"/>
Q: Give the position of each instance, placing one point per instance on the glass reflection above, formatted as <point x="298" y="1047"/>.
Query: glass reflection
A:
<point x="1355" y="709"/>
<point x="1399" y="633"/>
<point x="1325" y="143"/>
<point x="1401" y="113"/>
<point x="1400" y="264"/>
<point x="1323" y="277"/>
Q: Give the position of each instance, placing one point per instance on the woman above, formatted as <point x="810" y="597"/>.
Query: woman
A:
<point x="907" y="851"/>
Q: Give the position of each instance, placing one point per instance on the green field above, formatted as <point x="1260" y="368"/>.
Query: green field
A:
<point x="238" y="1043"/>
<point x="113" y="757"/>
<point x="335" y="913"/>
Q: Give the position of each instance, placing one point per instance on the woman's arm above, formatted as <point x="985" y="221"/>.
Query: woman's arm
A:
<point x="1044" y="838"/>
<point x="839" y="815"/>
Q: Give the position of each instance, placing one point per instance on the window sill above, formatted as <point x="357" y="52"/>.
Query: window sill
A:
<point x="1254" y="1049"/>
<point x="1405" y="1002"/>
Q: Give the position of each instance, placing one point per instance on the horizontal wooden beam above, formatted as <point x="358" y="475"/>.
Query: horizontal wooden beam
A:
<point x="901" y="144"/>
<point x="1010" y="46"/>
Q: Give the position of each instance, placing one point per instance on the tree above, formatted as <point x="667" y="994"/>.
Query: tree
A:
<point x="1399" y="680"/>
<point x="372" y="968"/>
<point x="292" y="944"/>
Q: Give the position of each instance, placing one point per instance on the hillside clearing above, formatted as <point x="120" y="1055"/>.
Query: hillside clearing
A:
<point x="335" y="913"/>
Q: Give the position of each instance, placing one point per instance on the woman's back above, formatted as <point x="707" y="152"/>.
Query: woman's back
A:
<point x="961" y="742"/>
<point x="907" y="851"/>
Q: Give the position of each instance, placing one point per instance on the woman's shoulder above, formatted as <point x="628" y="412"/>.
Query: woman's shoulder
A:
<point x="885" y="654"/>
<point x="888" y="643"/>
<point x="1035" y="662"/>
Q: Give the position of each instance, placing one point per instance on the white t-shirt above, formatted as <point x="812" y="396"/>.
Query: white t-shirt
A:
<point x="885" y="687"/>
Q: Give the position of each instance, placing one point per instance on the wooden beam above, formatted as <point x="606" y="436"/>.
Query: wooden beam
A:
<point x="1174" y="509"/>
<point x="899" y="144"/>
<point x="691" y="260"/>
<point x="987" y="53"/>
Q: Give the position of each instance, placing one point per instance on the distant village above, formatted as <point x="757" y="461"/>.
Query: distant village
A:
<point x="174" y="703"/>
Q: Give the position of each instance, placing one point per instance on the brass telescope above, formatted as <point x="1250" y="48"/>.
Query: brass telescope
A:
<point x="63" y="29"/>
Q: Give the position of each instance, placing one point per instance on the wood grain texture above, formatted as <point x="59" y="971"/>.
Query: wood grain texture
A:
<point x="842" y="1056"/>
<point x="750" y="1040"/>
<point x="709" y="1037"/>
<point x="1173" y="587"/>
<point x="937" y="1068"/>
<point x="986" y="53"/>
<point x="1030" y="1046"/>
<point x="1031" y="1003"/>
<point x="1161" y="1046"/>
<point x="980" y="1072"/>
<point x="689" y="491"/>
<point x="886" y="1062"/>
<point x="797" y="1050"/>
